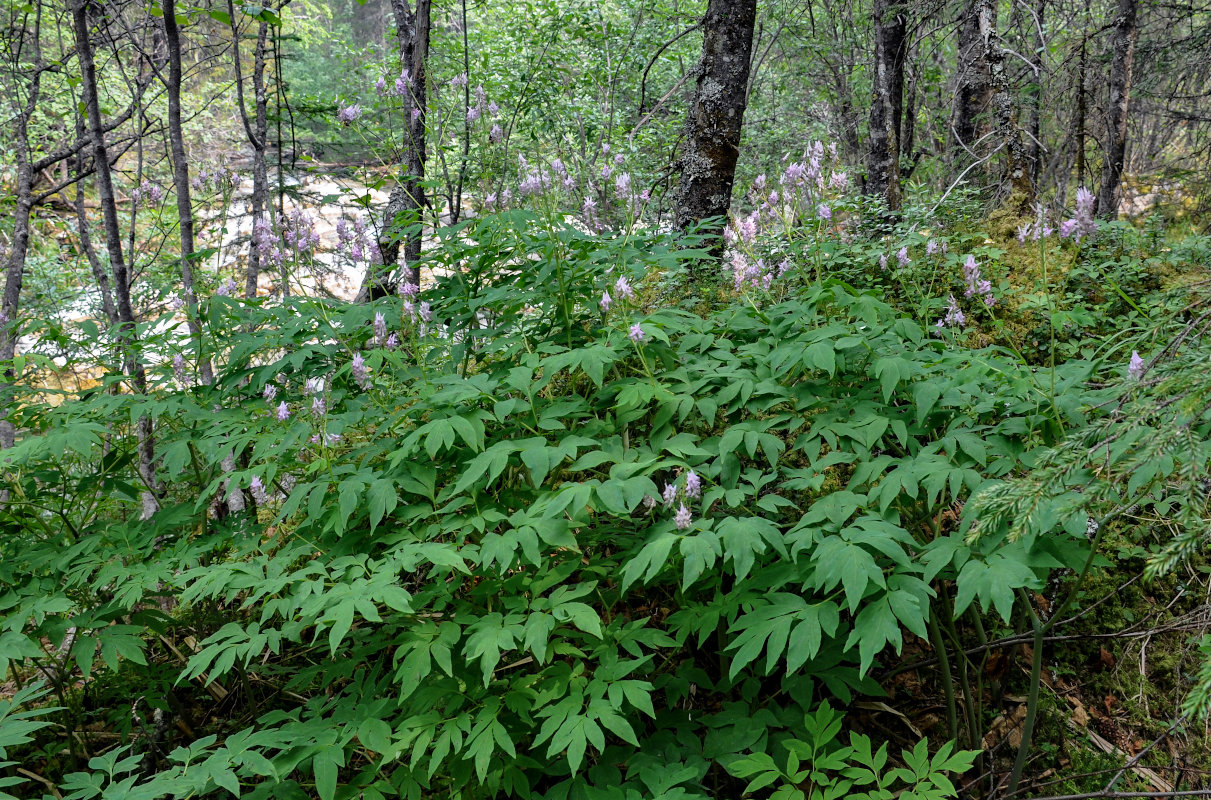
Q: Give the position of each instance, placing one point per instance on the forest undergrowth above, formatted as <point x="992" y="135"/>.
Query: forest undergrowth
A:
<point x="911" y="514"/>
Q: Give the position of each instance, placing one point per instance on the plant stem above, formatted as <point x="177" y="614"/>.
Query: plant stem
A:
<point x="952" y="715"/>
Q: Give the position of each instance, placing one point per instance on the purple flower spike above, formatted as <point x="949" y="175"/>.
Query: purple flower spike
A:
<point x="623" y="289"/>
<point x="670" y="494"/>
<point x="605" y="301"/>
<point x="693" y="484"/>
<point x="358" y="369"/>
<point x="257" y="488"/>
<point x="1135" y="370"/>
<point x="348" y="114"/>
<point x="954" y="315"/>
<point x="380" y="329"/>
<point x="283" y="413"/>
<point x="636" y="333"/>
<point x="178" y="368"/>
<point x="270" y="392"/>
<point x="683" y="518"/>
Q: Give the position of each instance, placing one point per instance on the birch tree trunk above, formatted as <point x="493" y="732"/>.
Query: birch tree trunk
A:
<point x="716" y="116"/>
<point x="1120" y="94"/>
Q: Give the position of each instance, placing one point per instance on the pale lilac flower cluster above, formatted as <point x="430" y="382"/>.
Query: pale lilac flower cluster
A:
<point x="257" y="489"/>
<point x="401" y="86"/>
<point x="352" y="239"/>
<point x="1136" y="367"/>
<point x="748" y="273"/>
<point x="348" y="114"/>
<point x="152" y="192"/>
<point x="217" y="178"/>
<point x="954" y="315"/>
<point x="357" y="368"/>
<point x="589" y="210"/>
<point x="1039" y="229"/>
<point x="682" y="518"/>
<point x="180" y="371"/>
<point x="380" y="330"/>
<point x="534" y="181"/>
<point x="228" y="288"/>
<point x="636" y="333"/>
<point x="176" y="302"/>
<point x="270" y="393"/>
<point x="267" y="243"/>
<point x="1082" y="222"/>
<point x="622" y="288"/>
<point x="314" y="388"/>
<point x="976" y="284"/>
<point x="476" y="110"/>
<point x="299" y="232"/>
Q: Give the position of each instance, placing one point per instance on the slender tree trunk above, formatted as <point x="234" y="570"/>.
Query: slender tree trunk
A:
<point x="973" y="91"/>
<point x="908" y="119"/>
<point x="883" y="157"/>
<point x="1120" y="95"/>
<point x="406" y="203"/>
<point x="1081" y="113"/>
<point x="113" y="243"/>
<point x="15" y="268"/>
<point x="261" y="204"/>
<point x="180" y="178"/>
<point x="257" y="130"/>
<point x="98" y="269"/>
<point x="715" y="120"/>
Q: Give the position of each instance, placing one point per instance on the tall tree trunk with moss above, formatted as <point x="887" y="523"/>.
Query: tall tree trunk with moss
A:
<point x="406" y="204"/>
<point x="1017" y="158"/>
<point x="1120" y="95"/>
<point x="716" y="116"/>
<point x="1037" y="150"/>
<point x="886" y="109"/>
<point x="132" y="359"/>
